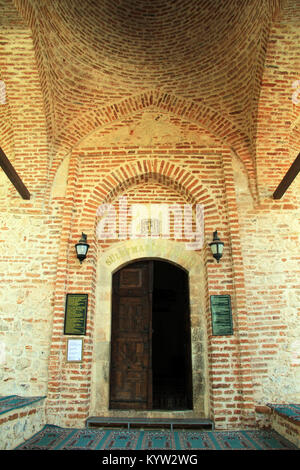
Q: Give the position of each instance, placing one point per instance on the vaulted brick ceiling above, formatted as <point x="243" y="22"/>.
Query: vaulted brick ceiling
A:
<point x="92" y="53"/>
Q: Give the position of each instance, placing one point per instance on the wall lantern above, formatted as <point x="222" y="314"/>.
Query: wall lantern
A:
<point x="216" y="247"/>
<point x="82" y="248"/>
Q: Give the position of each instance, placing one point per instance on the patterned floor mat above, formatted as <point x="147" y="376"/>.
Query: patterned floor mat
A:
<point x="56" y="438"/>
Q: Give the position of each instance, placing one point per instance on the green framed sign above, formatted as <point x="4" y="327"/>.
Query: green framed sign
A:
<point x="75" y="314"/>
<point x="221" y="315"/>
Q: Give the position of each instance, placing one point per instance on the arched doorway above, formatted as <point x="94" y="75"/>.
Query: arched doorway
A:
<point x="150" y="364"/>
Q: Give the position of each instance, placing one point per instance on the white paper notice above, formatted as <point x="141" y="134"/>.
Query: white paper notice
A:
<point x="74" y="353"/>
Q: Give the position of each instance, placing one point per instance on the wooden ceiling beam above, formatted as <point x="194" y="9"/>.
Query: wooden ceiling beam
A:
<point x="287" y="179"/>
<point x="13" y="176"/>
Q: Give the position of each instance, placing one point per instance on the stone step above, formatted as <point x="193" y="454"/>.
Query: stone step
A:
<point x="172" y="423"/>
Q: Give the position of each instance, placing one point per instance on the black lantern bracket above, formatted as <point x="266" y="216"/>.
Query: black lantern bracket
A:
<point x="82" y="247"/>
<point x="217" y="247"/>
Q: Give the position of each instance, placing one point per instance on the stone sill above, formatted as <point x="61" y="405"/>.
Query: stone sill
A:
<point x="20" y="422"/>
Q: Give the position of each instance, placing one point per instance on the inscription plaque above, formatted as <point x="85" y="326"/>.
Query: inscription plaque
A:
<point x="75" y="314"/>
<point x="221" y="315"/>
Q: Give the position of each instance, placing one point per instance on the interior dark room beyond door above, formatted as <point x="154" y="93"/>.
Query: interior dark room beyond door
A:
<point x="151" y="340"/>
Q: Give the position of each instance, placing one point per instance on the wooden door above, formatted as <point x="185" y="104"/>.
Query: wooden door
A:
<point x="131" y="368"/>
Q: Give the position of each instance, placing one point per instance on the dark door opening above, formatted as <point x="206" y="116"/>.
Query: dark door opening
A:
<point x="150" y="343"/>
<point x="171" y="357"/>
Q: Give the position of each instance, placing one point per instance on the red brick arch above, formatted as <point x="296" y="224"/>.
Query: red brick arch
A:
<point x="7" y="139"/>
<point x="198" y="113"/>
<point x="128" y="174"/>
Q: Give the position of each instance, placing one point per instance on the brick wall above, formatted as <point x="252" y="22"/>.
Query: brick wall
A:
<point x="179" y="171"/>
<point x="270" y="230"/>
<point x="184" y="140"/>
<point x="28" y="258"/>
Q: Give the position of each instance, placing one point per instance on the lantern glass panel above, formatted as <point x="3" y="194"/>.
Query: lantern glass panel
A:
<point x="81" y="249"/>
<point x="214" y="248"/>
